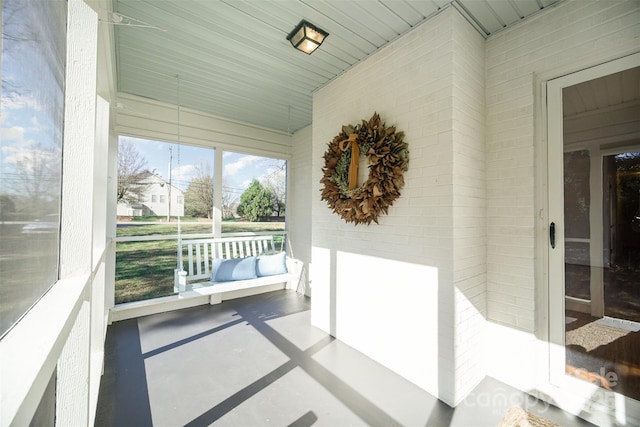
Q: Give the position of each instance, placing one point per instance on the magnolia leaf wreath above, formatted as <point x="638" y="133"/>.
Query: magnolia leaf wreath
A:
<point x="387" y="158"/>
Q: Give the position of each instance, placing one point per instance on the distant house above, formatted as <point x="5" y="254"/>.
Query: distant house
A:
<point x="158" y="198"/>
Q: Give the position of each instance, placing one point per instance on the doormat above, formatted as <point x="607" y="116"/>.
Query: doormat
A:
<point x="518" y="417"/>
<point x="593" y="335"/>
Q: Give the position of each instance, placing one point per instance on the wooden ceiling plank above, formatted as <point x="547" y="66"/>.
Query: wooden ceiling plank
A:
<point x="385" y="15"/>
<point x="482" y="14"/>
<point x="208" y="37"/>
<point x="609" y="91"/>
<point x="571" y="102"/>
<point x="527" y="7"/>
<point x="505" y="10"/>
<point x="404" y="11"/>
<point x="237" y="109"/>
<point x="586" y="95"/>
<point x="213" y="83"/>
<point x="226" y="72"/>
<point x="547" y="3"/>
<point x="345" y="35"/>
<point x="425" y="8"/>
<point x="286" y="19"/>
<point x="441" y="3"/>
<point x="290" y="12"/>
<point x="220" y="85"/>
<point x="357" y="27"/>
<point x="226" y="57"/>
<point x="630" y="81"/>
<point x="182" y="66"/>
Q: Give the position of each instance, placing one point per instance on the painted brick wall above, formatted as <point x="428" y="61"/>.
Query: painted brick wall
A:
<point x="300" y="193"/>
<point x="469" y="206"/>
<point x="572" y="36"/>
<point x="388" y="289"/>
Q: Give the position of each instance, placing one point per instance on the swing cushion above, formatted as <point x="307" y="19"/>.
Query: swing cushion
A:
<point x="228" y="270"/>
<point x="270" y="265"/>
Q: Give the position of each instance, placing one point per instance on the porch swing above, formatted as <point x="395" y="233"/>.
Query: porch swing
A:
<point x="229" y="267"/>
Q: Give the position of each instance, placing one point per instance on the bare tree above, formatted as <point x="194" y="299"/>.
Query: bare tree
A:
<point x="20" y="36"/>
<point x="32" y="75"/>
<point x="198" y="198"/>
<point x="276" y="183"/>
<point x="132" y="170"/>
<point x="229" y="200"/>
<point x="36" y="178"/>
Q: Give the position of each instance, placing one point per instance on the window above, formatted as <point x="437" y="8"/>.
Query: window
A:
<point x="186" y="207"/>
<point x="187" y="195"/>
<point x="253" y="187"/>
<point x="33" y="72"/>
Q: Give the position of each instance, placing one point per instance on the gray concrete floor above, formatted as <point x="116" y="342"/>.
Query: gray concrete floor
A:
<point x="257" y="361"/>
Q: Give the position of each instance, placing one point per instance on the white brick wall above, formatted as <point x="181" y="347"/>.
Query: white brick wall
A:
<point x="300" y="195"/>
<point x="570" y="37"/>
<point x="469" y="206"/>
<point x="467" y="211"/>
<point x="430" y="84"/>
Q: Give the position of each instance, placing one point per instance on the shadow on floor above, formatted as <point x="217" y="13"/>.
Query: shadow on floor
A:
<point x="257" y="361"/>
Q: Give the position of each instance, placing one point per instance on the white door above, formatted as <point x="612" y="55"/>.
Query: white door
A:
<point x="582" y="192"/>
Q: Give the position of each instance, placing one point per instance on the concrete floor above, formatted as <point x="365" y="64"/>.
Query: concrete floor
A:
<point x="257" y="361"/>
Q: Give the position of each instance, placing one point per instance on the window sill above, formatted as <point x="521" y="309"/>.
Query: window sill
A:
<point x="30" y="351"/>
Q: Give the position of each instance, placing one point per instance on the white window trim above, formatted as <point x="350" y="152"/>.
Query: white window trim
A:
<point x="34" y="345"/>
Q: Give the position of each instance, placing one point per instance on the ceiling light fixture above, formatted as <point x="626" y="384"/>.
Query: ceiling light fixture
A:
<point x="307" y="37"/>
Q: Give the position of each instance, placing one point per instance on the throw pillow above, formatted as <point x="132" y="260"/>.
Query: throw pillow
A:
<point x="270" y="265"/>
<point x="228" y="270"/>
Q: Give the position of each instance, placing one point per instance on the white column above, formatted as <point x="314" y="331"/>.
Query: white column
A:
<point x="76" y="241"/>
<point x="101" y="195"/>
<point x="217" y="195"/>
<point x="595" y="233"/>
<point x="79" y="135"/>
<point x="112" y="190"/>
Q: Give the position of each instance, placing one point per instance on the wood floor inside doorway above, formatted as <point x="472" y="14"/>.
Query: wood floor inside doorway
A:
<point x="604" y="351"/>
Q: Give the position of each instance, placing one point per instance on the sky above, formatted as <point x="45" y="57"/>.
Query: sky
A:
<point x="31" y="110"/>
<point x="238" y="169"/>
<point x="31" y="124"/>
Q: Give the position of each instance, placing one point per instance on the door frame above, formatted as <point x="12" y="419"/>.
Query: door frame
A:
<point x="551" y="260"/>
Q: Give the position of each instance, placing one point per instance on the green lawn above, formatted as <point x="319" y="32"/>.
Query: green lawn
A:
<point x="144" y="270"/>
<point x="134" y="228"/>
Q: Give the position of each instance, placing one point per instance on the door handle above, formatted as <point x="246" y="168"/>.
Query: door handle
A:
<point x="552" y="234"/>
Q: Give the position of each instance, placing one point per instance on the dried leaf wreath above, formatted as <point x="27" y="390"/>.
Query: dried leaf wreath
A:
<point x="388" y="159"/>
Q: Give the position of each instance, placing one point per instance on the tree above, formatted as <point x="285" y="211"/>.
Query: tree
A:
<point x="6" y="207"/>
<point x="32" y="104"/>
<point x="35" y="178"/>
<point x="132" y="171"/>
<point x="228" y="201"/>
<point x="256" y="202"/>
<point x="275" y="182"/>
<point x="198" y="199"/>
